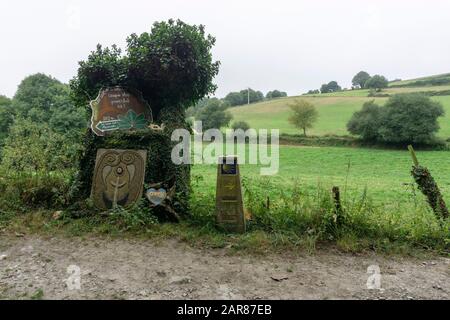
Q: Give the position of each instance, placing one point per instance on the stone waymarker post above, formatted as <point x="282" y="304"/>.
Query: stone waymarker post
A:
<point x="118" y="108"/>
<point x="118" y="177"/>
<point x="229" y="203"/>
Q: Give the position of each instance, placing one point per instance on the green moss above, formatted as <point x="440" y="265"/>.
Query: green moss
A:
<point x="159" y="167"/>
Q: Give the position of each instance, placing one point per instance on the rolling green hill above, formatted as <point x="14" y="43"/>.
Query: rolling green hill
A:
<point x="335" y="109"/>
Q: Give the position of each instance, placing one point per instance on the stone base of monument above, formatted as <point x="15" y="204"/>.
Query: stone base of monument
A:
<point x="156" y="147"/>
<point x="229" y="201"/>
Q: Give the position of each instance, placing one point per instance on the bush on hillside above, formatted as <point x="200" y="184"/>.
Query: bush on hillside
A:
<point x="331" y="86"/>
<point x="366" y="122"/>
<point x="243" y="97"/>
<point x="376" y="82"/>
<point x="214" y="114"/>
<point x="240" y="125"/>
<point x="360" y="79"/>
<point x="406" y="118"/>
<point x="275" y="94"/>
<point x="410" y="118"/>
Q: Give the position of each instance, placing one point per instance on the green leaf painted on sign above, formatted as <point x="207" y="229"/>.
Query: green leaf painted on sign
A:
<point x="132" y="121"/>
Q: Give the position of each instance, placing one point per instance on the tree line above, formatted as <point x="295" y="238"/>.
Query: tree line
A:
<point x="39" y="121"/>
<point x="250" y="96"/>
<point x="213" y="111"/>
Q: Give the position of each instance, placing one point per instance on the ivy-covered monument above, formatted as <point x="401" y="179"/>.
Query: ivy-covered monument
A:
<point x="136" y="100"/>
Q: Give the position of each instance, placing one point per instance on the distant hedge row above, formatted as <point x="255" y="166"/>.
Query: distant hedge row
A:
<point x="436" y="81"/>
<point x="431" y="93"/>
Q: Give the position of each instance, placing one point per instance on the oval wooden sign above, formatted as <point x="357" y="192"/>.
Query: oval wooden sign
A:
<point x="117" y="108"/>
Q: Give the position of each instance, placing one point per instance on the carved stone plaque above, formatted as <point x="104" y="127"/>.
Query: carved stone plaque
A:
<point x="118" y="108"/>
<point x="118" y="177"/>
<point x="229" y="203"/>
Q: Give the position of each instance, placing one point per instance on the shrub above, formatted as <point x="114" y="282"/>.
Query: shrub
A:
<point x="243" y="97"/>
<point x="331" y="86"/>
<point x="406" y="118"/>
<point x="366" y="122"/>
<point x="275" y="94"/>
<point x="172" y="66"/>
<point x="360" y="79"/>
<point x="410" y="118"/>
<point x="23" y="190"/>
<point x="240" y="125"/>
<point x="34" y="147"/>
<point x="376" y="82"/>
<point x="214" y="114"/>
<point x="6" y="117"/>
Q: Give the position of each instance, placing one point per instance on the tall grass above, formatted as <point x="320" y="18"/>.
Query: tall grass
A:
<point x="300" y="213"/>
<point x="23" y="190"/>
<point x="303" y="211"/>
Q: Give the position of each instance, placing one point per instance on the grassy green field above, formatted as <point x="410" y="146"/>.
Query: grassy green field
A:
<point x="334" y="112"/>
<point x="379" y="198"/>
<point x="385" y="173"/>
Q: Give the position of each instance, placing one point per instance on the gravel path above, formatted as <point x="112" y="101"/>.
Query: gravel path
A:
<point x="144" y="269"/>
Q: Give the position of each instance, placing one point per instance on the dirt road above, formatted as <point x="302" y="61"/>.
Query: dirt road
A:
<point x="142" y="269"/>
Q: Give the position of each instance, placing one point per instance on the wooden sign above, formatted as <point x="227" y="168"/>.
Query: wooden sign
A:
<point x="118" y="177"/>
<point x="229" y="203"/>
<point x="117" y="108"/>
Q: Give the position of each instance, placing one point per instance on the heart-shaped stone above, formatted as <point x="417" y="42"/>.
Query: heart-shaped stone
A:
<point x="156" y="196"/>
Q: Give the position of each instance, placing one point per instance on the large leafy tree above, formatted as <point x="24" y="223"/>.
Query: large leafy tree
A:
<point x="275" y="94"/>
<point x="243" y="97"/>
<point x="214" y="114"/>
<point x="377" y="82"/>
<point x="250" y="95"/>
<point x="304" y="115"/>
<point x="331" y="86"/>
<point x="6" y="117"/>
<point x="405" y="118"/>
<point x="172" y="66"/>
<point x="360" y="79"/>
<point x="366" y="122"/>
<point x="44" y="99"/>
<point x="410" y="118"/>
<point x="235" y="98"/>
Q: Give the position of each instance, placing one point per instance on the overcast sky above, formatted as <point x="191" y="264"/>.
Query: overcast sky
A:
<point x="279" y="44"/>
